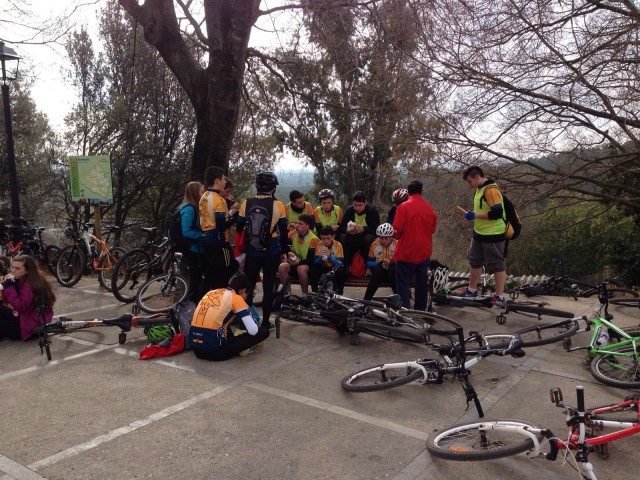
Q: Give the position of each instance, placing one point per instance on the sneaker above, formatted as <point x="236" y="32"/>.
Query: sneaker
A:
<point x="258" y="347"/>
<point x="469" y="294"/>
<point x="268" y="324"/>
<point x="248" y="351"/>
<point x="499" y="301"/>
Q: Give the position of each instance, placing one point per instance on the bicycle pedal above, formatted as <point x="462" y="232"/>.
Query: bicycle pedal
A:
<point x="556" y="395"/>
<point x="566" y="344"/>
<point x="135" y="309"/>
<point x="602" y="451"/>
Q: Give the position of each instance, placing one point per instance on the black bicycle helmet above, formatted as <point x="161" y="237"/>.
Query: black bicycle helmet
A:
<point x="266" y="181"/>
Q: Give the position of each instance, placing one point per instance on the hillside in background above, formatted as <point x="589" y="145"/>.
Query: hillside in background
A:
<point x="301" y="180"/>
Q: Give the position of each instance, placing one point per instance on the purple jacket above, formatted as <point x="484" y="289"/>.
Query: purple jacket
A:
<point x="23" y="303"/>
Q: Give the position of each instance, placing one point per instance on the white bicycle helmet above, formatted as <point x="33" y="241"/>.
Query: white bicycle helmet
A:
<point x="384" y="230"/>
<point x="326" y="193"/>
<point x="399" y="196"/>
<point x="439" y="279"/>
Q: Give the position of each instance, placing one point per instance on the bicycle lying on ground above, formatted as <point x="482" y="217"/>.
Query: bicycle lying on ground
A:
<point x="454" y="362"/>
<point x="124" y="322"/>
<point x="615" y="364"/>
<point x="502" y="438"/>
<point x="384" y="317"/>
<point x="572" y="287"/>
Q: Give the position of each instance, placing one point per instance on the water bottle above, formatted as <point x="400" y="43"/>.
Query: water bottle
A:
<point x="603" y="338"/>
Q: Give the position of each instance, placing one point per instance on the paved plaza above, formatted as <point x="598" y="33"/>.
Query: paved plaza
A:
<point x="98" y="412"/>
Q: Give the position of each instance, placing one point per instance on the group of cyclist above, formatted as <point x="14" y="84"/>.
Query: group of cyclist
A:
<point x="276" y="239"/>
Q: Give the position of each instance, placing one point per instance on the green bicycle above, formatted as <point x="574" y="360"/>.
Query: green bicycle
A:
<point x="613" y="352"/>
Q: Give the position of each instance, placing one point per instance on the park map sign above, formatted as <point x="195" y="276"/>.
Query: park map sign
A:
<point x="91" y="179"/>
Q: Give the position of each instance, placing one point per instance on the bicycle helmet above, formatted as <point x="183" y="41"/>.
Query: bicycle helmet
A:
<point x="399" y="196"/>
<point x="326" y="193"/>
<point x="439" y="279"/>
<point x="266" y="181"/>
<point x="159" y="334"/>
<point x="384" y="230"/>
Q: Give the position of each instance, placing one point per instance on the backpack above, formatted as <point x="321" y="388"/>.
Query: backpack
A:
<point x="174" y="230"/>
<point x="259" y="212"/>
<point x="512" y="219"/>
<point x="358" y="265"/>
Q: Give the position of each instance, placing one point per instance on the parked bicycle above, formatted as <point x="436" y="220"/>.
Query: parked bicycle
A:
<point x="615" y="364"/>
<point x="21" y="240"/>
<point x="487" y="440"/>
<point x="138" y="265"/>
<point x="88" y="252"/>
<point x="454" y="361"/>
<point x="164" y="291"/>
<point x="124" y="322"/>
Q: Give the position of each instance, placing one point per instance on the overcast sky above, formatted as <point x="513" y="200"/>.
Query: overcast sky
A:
<point x="46" y="63"/>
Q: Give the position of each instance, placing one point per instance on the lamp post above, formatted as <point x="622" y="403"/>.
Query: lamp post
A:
<point x="6" y="55"/>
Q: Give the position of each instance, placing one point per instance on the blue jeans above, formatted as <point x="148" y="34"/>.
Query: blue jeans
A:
<point x="405" y="272"/>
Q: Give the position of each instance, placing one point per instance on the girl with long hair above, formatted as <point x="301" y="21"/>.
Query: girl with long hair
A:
<point x="190" y="220"/>
<point x="25" y="289"/>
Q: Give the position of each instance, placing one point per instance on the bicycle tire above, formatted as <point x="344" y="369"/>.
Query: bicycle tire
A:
<point x="127" y="274"/>
<point x="547" y="333"/>
<point x="432" y="322"/>
<point x="104" y="276"/>
<point x="541" y="311"/>
<point x="625" y="302"/>
<point x="70" y="266"/>
<point x="618" y="371"/>
<point x="375" y="378"/>
<point x="621" y="293"/>
<point x="161" y="292"/>
<point x="50" y="257"/>
<point x="390" y="332"/>
<point x="470" y="443"/>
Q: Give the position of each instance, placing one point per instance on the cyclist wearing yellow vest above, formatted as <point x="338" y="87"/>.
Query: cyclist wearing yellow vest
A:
<point x="327" y="214"/>
<point x="297" y="206"/>
<point x="302" y="253"/>
<point x="489" y="226"/>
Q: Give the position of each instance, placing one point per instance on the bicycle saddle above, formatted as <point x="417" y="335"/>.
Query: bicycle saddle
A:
<point x="391" y="301"/>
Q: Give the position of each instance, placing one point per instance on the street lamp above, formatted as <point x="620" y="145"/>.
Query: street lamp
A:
<point x="7" y="55"/>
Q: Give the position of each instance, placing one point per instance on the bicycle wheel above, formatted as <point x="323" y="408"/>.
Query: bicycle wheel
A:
<point x="70" y="266"/>
<point x="381" y="377"/>
<point x="104" y="275"/>
<point x="480" y="441"/>
<point x="622" y="293"/>
<point x="537" y="309"/>
<point x="131" y="269"/>
<point x="390" y="332"/>
<point x="619" y="368"/>
<point x="50" y="257"/>
<point x="161" y="293"/>
<point x="547" y="333"/>
<point x="626" y="302"/>
<point x="432" y="322"/>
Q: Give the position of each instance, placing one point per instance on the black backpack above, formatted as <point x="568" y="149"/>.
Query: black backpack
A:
<point x="258" y="214"/>
<point x="174" y="229"/>
<point x="512" y="219"/>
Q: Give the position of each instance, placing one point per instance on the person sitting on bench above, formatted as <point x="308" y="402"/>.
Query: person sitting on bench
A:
<point x="379" y="260"/>
<point x="329" y="253"/>
<point x="302" y="254"/>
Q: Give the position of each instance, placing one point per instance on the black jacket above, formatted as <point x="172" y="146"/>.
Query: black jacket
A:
<point x="372" y="217"/>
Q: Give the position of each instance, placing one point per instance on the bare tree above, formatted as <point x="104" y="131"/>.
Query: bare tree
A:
<point x="548" y="88"/>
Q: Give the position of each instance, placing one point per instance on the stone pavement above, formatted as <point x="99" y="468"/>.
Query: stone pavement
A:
<point x="97" y="412"/>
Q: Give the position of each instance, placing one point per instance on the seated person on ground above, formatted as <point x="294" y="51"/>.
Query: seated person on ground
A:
<point x="210" y="337"/>
<point x="296" y="207"/>
<point x="358" y="227"/>
<point x="379" y="260"/>
<point x="327" y="255"/>
<point x="327" y="214"/>
<point x="302" y="254"/>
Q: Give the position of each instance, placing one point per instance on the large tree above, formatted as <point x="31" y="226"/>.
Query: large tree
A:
<point x="214" y="89"/>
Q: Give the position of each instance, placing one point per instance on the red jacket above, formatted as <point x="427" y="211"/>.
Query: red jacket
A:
<point x="414" y="225"/>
